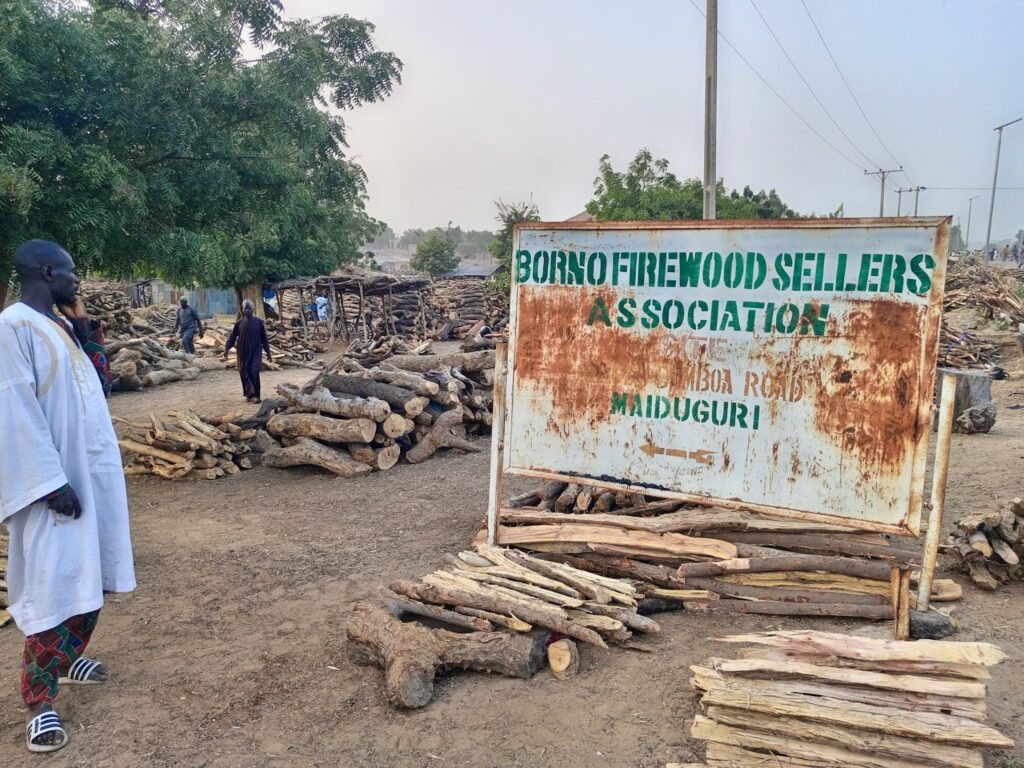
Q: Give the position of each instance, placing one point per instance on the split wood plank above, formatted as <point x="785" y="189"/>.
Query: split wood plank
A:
<point x="672" y="544"/>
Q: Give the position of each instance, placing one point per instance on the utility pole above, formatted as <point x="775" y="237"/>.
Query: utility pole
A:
<point x="883" y="174"/>
<point x="710" y="109"/>
<point x="970" y="204"/>
<point x="995" y="175"/>
<point x="916" y="191"/>
<point x="899" y="200"/>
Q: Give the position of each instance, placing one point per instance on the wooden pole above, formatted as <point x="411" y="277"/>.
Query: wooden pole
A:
<point x="903" y="606"/>
<point x="497" y="441"/>
<point x="302" y="312"/>
<point x="362" y="313"/>
<point x="344" y="316"/>
<point x="938" y="505"/>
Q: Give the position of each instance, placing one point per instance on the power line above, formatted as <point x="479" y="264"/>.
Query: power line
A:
<point x="848" y="88"/>
<point x="969" y="189"/>
<point x="769" y="86"/>
<point x="803" y="79"/>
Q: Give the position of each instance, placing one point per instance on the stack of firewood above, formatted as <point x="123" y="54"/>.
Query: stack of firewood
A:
<point x="513" y="604"/>
<point x="145" y="362"/>
<point x="988" y="546"/>
<point x="351" y="420"/>
<point x="109" y="305"/>
<point x="962" y="349"/>
<point x="810" y="698"/>
<point x="288" y="348"/>
<point x="750" y="563"/>
<point x="184" y="445"/>
<point x="5" y="617"/>
<point x="155" y="319"/>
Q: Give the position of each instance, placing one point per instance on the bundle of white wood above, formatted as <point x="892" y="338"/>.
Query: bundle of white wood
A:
<point x="751" y="563"/>
<point x="829" y="700"/>
<point x="988" y="546"/>
<point x="184" y="445"/>
<point x="487" y="591"/>
<point x="351" y="420"/>
<point x="5" y="617"/>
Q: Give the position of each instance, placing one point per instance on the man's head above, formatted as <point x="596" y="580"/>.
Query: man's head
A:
<point x="46" y="267"/>
<point x="248" y="308"/>
<point x="183" y="301"/>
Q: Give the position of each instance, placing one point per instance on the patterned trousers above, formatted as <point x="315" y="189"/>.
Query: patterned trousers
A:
<point x="50" y="653"/>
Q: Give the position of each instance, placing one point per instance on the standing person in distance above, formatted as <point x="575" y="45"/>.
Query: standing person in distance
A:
<point x="62" y="491"/>
<point x="251" y="336"/>
<point x="188" y="321"/>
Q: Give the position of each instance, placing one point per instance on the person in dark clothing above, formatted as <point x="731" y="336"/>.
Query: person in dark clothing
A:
<point x="251" y="336"/>
<point x="188" y="322"/>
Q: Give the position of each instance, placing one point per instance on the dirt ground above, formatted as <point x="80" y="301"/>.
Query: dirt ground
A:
<point x="232" y="651"/>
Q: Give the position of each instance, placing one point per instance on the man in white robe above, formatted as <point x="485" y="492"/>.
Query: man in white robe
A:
<point x="62" y="490"/>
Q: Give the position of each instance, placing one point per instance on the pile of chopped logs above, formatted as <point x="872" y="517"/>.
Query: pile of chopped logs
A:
<point x="5" y="617"/>
<point x="109" y="305"/>
<point x="962" y="349"/>
<point x="145" y="362"/>
<point x="184" y="445"/>
<point x="988" y="546"/>
<point x="820" y="699"/>
<point x="156" y="319"/>
<point x="351" y="420"/>
<point x="510" y="605"/>
<point x="749" y="563"/>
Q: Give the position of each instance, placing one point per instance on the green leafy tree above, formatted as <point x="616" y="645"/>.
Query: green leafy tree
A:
<point x="509" y="214"/>
<point x="435" y="256"/>
<point x="136" y="133"/>
<point x="647" y="190"/>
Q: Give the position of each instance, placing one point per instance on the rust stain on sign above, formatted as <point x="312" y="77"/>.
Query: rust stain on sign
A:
<point x="805" y="365"/>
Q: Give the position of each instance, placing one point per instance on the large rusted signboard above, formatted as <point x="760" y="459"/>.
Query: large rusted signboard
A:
<point x="781" y="366"/>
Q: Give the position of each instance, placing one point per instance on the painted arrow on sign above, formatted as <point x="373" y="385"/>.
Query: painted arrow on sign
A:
<point x="700" y="456"/>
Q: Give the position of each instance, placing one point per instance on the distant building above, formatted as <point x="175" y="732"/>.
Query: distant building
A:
<point x="584" y="216"/>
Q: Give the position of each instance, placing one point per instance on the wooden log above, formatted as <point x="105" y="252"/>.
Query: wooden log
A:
<point x="585" y="498"/>
<point x="836" y="644"/>
<point x="826" y="743"/>
<point x="566" y="499"/>
<point x="564" y="659"/>
<point x="320" y="400"/>
<point x="784" y="594"/>
<point x="164" y="376"/>
<point x="848" y="566"/>
<point x="762" y="696"/>
<point x="147" y="450"/>
<point x="897" y="666"/>
<point x="508" y="622"/>
<point x="467" y="362"/>
<point x="410" y="403"/>
<point x="441" y="436"/>
<point x="378" y="458"/>
<point x="979" y="541"/>
<point x="604" y="502"/>
<point x="307" y="451"/>
<point x="622" y="567"/>
<point x="399" y="606"/>
<point x="638" y="542"/>
<point x="395" y="425"/>
<point x="326" y="428"/>
<point x="411" y="654"/>
<point x="868" y="545"/>
<point x="779" y="608"/>
<point x="388" y="374"/>
<point x="497" y="603"/>
<point x="567" y="575"/>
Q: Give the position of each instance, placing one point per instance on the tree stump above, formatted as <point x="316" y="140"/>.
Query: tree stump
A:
<point x="411" y="654"/>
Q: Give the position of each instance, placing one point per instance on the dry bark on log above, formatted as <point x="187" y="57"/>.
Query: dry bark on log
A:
<point x="441" y="436"/>
<point x="843" y="565"/>
<point x="622" y="567"/>
<point x="495" y="603"/>
<point x="378" y="458"/>
<point x="469" y="362"/>
<point x="567" y="498"/>
<point x="398" y="606"/>
<point x="411" y="654"/>
<point x="411" y="404"/>
<point x="164" y="376"/>
<point x="320" y="400"/>
<point x="307" y="451"/>
<point x="326" y="428"/>
<point x="640" y="543"/>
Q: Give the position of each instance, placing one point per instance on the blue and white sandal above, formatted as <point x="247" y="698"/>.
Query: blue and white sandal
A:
<point x="42" y="724"/>
<point x="80" y="673"/>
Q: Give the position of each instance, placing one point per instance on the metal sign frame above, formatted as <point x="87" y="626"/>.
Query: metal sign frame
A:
<point x="922" y="387"/>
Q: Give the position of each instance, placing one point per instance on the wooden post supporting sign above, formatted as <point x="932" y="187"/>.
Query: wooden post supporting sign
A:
<point x="497" y="440"/>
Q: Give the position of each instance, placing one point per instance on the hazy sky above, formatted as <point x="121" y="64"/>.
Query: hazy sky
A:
<point x="521" y="99"/>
